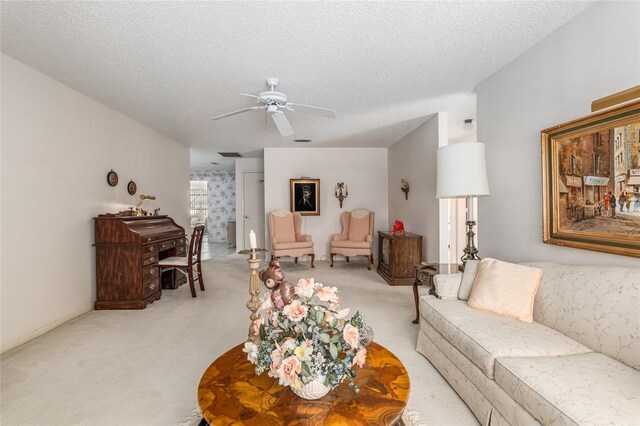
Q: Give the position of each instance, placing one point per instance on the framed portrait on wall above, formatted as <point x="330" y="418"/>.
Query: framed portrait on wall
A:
<point x="591" y="182"/>
<point x="305" y="196"/>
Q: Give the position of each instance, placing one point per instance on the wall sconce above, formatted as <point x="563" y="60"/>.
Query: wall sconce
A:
<point x="405" y="188"/>
<point x="340" y="195"/>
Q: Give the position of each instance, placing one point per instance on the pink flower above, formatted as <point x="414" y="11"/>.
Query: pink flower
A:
<point x="351" y="335"/>
<point x="295" y="311"/>
<point x="305" y="287"/>
<point x="343" y="313"/>
<point x="276" y="360"/>
<point x="325" y="293"/>
<point x="288" y="371"/>
<point x="256" y="325"/>
<point x="361" y="355"/>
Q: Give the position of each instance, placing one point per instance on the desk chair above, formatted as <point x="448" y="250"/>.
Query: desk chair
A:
<point x="187" y="264"/>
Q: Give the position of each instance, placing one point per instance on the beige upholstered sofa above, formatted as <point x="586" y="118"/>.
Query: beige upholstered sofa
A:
<point x="577" y="363"/>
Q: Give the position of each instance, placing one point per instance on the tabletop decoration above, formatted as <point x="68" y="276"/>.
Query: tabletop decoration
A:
<point x="308" y="343"/>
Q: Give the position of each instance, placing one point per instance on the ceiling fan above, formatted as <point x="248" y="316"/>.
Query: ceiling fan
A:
<point x="273" y="102"/>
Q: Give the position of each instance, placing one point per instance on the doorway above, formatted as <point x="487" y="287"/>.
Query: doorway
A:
<point x="253" y="215"/>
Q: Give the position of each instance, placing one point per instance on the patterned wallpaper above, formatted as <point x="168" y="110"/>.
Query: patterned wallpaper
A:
<point x="221" y="197"/>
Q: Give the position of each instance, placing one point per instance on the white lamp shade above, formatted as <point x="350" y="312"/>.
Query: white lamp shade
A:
<point x="462" y="171"/>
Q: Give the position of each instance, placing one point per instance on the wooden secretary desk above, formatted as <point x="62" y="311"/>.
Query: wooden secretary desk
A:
<point x="127" y="254"/>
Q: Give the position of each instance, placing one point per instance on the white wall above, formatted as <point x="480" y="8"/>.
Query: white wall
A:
<point x="57" y="147"/>
<point x="592" y="56"/>
<point x="244" y="165"/>
<point x="413" y="158"/>
<point x="363" y="169"/>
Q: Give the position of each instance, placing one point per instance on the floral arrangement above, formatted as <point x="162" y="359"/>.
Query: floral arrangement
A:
<point x="308" y="339"/>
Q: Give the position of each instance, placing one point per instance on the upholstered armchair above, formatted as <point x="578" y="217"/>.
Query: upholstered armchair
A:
<point x="286" y="239"/>
<point x="357" y="236"/>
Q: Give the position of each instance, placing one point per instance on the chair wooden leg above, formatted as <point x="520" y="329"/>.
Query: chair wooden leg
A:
<point x="295" y="260"/>
<point x="370" y="261"/>
<point x="313" y="256"/>
<point x="200" y="280"/>
<point x="191" y="283"/>
<point x="332" y="254"/>
<point x="347" y="259"/>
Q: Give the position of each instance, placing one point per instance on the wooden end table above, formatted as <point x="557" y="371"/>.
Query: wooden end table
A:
<point x="425" y="273"/>
<point x="230" y="393"/>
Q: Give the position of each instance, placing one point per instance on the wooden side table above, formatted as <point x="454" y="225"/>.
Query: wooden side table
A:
<point x="425" y="274"/>
<point x="230" y="393"/>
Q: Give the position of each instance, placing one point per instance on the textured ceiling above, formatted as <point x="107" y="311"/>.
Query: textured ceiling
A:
<point x="383" y="66"/>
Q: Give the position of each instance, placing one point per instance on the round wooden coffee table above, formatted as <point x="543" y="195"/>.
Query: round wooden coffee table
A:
<point x="230" y="393"/>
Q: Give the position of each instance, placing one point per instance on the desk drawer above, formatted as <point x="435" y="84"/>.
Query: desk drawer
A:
<point x="150" y="273"/>
<point x="181" y="250"/>
<point x="150" y="260"/>
<point x="166" y="245"/>
<point x="151" y="287"/>
<point x="149" y="249"/>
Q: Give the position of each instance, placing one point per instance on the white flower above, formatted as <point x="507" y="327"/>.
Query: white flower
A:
<point x="251" y="350"/>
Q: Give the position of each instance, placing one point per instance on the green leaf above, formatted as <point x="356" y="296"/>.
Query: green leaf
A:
<point x="305" y="369"/>
<point x="333" y="350"/>
<point x="324" y="337"/>
<point x="302" y="326"/>
<point x="335" y="338"/>
<point x="263" y="332"/>
<point x="319" y="316"/>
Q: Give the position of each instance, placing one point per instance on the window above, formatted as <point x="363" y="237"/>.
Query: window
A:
<point x="573" y="165"/>
<point x="596" y="164"/>
<point x="199" y="199"/>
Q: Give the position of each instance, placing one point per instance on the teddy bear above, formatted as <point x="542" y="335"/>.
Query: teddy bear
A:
<point x="282" y="292"/>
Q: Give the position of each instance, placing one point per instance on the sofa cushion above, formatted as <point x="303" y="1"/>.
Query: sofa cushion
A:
<point x="505" y="289"/>
<point x="586" y="389"/>
<point x="595" y="305"/>
<point x="483" y="337"/>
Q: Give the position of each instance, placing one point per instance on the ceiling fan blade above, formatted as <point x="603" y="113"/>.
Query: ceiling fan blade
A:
<point x="246" y="94"/>
<point x="282" y="123"/>
<point x="240" y="111"/>
<point x="312" y="110"/>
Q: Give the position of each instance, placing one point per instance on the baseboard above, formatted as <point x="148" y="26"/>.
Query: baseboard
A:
<point x="42" y="330"/>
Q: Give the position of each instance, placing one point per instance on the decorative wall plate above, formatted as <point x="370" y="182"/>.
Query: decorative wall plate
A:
<point x="132" y="187"/>
<point x="112" y="178"/>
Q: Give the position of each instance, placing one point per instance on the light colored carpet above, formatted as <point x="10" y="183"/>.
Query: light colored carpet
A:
<point x="143" y="367"/>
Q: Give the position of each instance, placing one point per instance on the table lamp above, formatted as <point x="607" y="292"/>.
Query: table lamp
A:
<point x="462" y="173"/>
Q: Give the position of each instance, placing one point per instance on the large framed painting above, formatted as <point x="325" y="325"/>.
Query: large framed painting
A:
<point x="305" y="196"/>
<point x="591" y="182"/>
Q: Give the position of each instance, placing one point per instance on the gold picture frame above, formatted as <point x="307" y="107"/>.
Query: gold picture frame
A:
<point x="585" y="164"/>
<point x="304" y="196"/>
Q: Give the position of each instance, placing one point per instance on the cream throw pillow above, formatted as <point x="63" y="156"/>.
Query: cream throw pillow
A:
<point x="505" y="289"/>
<point x="468" y="278"/>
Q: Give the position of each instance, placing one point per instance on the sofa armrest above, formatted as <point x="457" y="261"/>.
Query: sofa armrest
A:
<point x="303" y="238"/>
<point x="447" y="285"/>
<point x="338" y="237"/>
<point x="274" y="240"/>
<point x="369" y="239"/>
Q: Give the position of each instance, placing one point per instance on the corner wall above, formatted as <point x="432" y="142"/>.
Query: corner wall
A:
<point x="57" y="147"/>
<point x="413" y="158"/>
<point x="364" y="170"/>
<point x="592" y="56"/>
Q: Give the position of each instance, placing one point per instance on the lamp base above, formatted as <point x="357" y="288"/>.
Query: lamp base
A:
<point x="470" y="251"/>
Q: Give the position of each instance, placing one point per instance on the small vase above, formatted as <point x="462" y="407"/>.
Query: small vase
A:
<point x="315" y="389"/>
